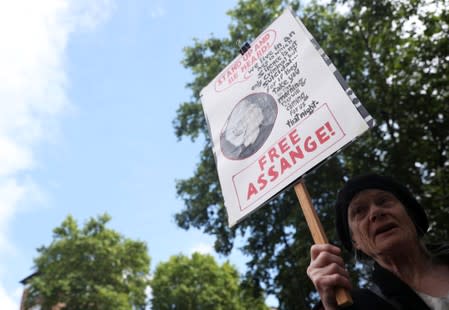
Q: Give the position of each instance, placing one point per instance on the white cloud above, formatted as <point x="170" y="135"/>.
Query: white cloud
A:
<point x="202" y="248"/>
<point x="10" y="195"/>
<point x="7" y="302"/>
<point x="33" y="83"/>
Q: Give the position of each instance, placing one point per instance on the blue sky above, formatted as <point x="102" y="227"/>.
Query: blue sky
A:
<point x="88" y="93"/>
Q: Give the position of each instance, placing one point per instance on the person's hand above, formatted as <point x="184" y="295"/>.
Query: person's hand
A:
<point x="327" y="272"/>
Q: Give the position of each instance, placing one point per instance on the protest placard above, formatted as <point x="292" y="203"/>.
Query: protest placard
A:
<point x="276" y="112"/>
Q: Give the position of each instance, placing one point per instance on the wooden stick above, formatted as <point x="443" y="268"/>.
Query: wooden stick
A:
<point x="319" y="236"/>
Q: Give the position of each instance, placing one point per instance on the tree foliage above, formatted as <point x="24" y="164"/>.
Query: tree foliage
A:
<point x="93" y="267"/>
<point x="394" y="54"/>
<point x="200" y="283"/>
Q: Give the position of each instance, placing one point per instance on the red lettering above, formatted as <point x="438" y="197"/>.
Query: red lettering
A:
<point x="262" y="182"/>
<point x="264" y="48"/>
<point x="262" y="162"/>
<point x="272" y="153"/>
<point x="247" y="54"/>
<point x="235" y="65"/>
<point x="284" y="165"/>
<point x="321" y="134"/>
<point x="293" y="135"/>
<point x="329" y="127"/>
<point x="233" y="78"/>
<point x="221" y="80"/>
<point x="298" y="153"/>
<point x="262" y="41"/>
<point x="283" y="146"/>
<point x="266" y="37"/>
<point x="251" y="191"/>
<point x="273" y="173"/>
<point x="310" y="145"/>
<point x="253" y="59"/>
<point x="248" y="63"/>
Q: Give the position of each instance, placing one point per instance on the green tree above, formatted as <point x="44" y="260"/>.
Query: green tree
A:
<point x="93" y="267"/>
<point x="200" y="283"/>
<point x="394" y="55"/>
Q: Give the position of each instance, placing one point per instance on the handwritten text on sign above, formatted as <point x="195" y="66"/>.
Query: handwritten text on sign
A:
<point x="302" y="144"/>
<point x="297" y="113"/>
<point x="240" y="69"/>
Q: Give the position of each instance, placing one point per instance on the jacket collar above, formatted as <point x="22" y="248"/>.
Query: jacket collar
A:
<point x="396" y="291"/>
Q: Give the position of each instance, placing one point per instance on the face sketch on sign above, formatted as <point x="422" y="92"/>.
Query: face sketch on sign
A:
<point x="248" y="126"/>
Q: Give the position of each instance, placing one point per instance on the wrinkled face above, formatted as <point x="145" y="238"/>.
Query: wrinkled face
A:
<point x="379" y="223"/>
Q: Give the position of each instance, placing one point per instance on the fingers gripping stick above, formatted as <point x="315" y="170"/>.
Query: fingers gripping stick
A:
<point x="319" y="236"/>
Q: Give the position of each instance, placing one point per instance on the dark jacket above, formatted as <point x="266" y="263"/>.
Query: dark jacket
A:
<point x="388" y="292"/>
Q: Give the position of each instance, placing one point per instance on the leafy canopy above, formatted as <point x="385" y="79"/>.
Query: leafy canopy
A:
<point x="198" y="282"/>
<point x="395" y="56"/>
<point x="90" y="267"/>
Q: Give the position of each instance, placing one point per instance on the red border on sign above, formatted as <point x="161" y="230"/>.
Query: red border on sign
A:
<point x="325" y="105"/>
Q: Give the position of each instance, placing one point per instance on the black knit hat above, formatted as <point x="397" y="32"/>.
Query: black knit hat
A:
<point x="374" y="181"/>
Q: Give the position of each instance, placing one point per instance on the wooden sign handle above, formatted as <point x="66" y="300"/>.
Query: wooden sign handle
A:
<point x="319" y="236"/>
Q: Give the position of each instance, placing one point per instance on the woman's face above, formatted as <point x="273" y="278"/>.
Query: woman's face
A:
<point x="379" y="223"/>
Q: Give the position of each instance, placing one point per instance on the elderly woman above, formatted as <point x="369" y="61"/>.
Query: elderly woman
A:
<point x="382" y="222"/>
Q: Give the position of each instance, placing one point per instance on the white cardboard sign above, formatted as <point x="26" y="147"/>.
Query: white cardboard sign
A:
<point x="276" y="112"/>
